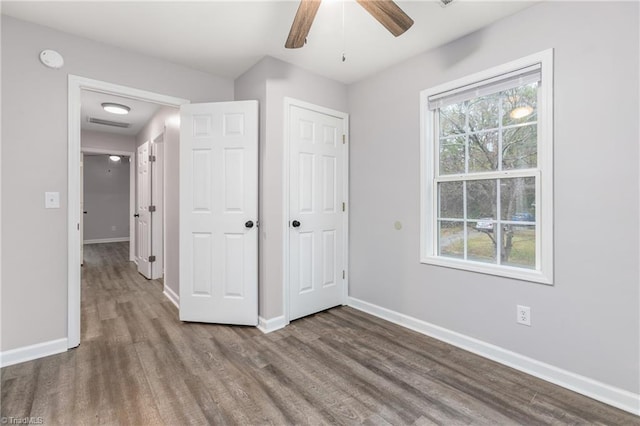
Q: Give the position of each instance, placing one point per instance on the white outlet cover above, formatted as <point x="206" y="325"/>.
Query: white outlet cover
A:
<point x="51" y="200"/>
<point x="523" y="315"/>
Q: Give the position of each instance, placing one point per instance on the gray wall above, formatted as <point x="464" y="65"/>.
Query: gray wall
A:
<point x="588" y="323"/>
<point x="164" y="121"/>
<point x="106" y="197"/>
<point x="34" y="138"/>
<point x="270" y="81"/>
<point x="107" y="141"/>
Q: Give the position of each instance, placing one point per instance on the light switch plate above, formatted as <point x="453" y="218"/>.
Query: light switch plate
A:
<point x="51" y="200"/>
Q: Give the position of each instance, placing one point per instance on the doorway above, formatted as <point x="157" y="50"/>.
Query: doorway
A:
<point x="316" y="230"/>
<point x="76" y="86"/>
<point x="217" y="175"/>
<point x="106" y="199"/>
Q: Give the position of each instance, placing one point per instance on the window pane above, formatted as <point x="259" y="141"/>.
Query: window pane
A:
<point x="451" y="239"/>
<point x="520" y="105"/>
<point x="452" y="155"/>
<point x="481" y="245"/>
<point x="453" y="119"/>
<point x="519" y="147"/>
<point x="450" y="200"/>
<point x="483" y="152"/>
<point x="484" y="112"/>
<point x="481" y="199"/>
<point x="518" y="199"/>
<point x="519" y="246"/>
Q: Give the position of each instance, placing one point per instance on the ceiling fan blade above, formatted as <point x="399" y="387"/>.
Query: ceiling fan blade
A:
<point x="302" y="23"/>
<point x="388" y="14"/>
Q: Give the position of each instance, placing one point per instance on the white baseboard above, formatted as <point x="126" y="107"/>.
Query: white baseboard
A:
<point x="106" y="240"/>
<point x="171" y="295"/>
<point x="611" y="395"/>
<point x="28" y="353"/>
<point x="273" y="324"/>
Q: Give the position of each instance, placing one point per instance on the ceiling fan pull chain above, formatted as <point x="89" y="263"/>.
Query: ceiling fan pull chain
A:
<point x="344" y="38"/>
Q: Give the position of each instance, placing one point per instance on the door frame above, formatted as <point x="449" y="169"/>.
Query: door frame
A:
<point x="75" y="87"/>
<point x="157" y="198"/>
<point x="132" y="189"/>
<point x="288" y="103"/>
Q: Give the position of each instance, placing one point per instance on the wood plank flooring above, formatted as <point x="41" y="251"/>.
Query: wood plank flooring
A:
<point x="138" y="365"/>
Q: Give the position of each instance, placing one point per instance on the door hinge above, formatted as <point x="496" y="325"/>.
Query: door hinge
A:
<point x="344" y="207"/>
<point x="152" y="258"/>
<point x="152" y="209"/>
<point x="344" y="274"/>
<point x="344" y="139"/>
<point x="152" y="158"/>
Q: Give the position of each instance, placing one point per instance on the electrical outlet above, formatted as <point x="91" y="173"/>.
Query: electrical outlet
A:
<point x="523" y="315"/>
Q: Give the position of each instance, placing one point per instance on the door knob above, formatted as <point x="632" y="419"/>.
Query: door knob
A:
<point x="248" y="224"/>
<point x="136" y="215"/>
<point x="295" y="223"/>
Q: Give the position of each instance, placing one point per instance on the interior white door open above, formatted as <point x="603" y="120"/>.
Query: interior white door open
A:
<point x="143" y="213"/>
<point x="219" y="212"/>
<point x="317" y="216"/>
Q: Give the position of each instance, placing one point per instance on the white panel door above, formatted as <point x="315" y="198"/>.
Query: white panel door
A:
<point x="219" y="212"/>
<point x="143" y="215"/>
<point x="317" y="237"/>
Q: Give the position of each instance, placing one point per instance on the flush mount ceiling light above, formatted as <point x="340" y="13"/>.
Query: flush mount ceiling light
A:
<point x="520" y="112"/>
<point x="115" y="158"/>
<point x="116" y="108"/>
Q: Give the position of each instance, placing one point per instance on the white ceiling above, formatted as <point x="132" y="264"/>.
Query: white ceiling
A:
<point x="140" y="114"/>
<point x="226" y="38"/>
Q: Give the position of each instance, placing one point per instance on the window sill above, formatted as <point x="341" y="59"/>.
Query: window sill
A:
<point x="484" y="268"/>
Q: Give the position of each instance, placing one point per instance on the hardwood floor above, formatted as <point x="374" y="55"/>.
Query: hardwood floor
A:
<point x="138" y="364"/>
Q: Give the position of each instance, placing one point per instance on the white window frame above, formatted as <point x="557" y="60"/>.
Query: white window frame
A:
<point x="543" y="272"/>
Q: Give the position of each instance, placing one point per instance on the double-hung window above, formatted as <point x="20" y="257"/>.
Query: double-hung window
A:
<point x="487" y="171"/>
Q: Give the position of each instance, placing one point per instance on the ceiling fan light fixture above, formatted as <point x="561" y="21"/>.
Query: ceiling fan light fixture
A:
<point x="386" y="12"/>
<point x="114" y="108"/>
<point x="521" y="112"/>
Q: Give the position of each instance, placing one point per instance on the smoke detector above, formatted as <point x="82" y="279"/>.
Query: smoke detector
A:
<point x="51" y="59"/>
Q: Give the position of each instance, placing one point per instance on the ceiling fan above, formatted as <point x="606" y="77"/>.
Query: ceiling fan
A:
<point x="387" y="12"/>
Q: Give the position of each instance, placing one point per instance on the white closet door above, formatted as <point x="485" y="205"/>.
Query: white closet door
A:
<point x="317" y="237"/>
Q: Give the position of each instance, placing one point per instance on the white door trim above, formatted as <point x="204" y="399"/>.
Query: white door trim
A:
<point x="76" y="85"/>
<point x="157" y="199"/>
<point x="132" y="190"/>
<point x="288" y="103"/>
